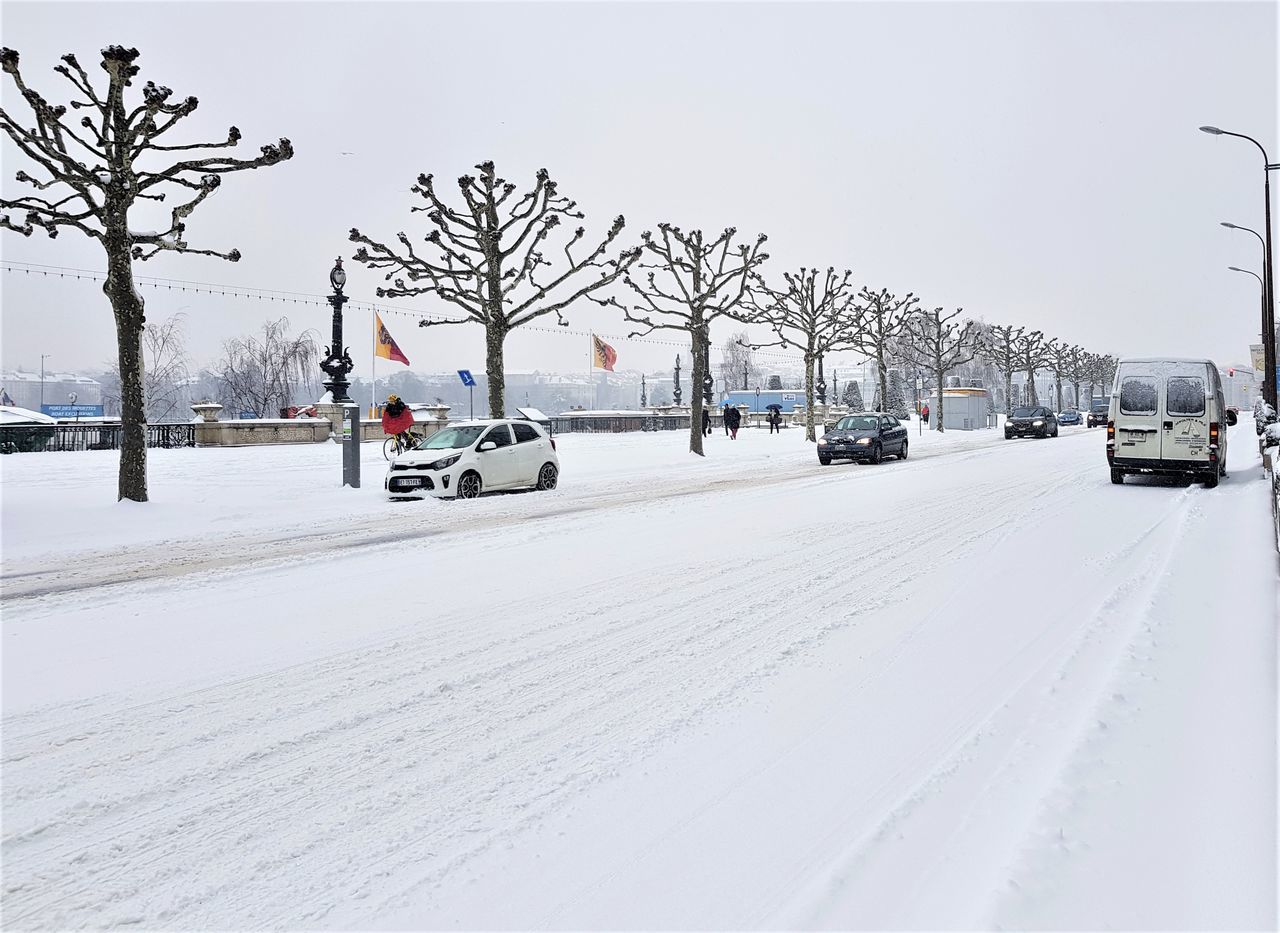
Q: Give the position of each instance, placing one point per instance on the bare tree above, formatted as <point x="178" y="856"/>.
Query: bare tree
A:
<point x="811" y="313"/>
<point x="880" y="319"/>
<point x="941" y="343"/>
<point x="1076" y="359"/>
<point x="166" y="369"/>
<point x="1060" y="362"/>
<point x="1033" y="354"/>
<point x="701" y="281"/>
<point x="97" y="181"/>
<point x="738" y="362"/>
<point x="267" y="373"/>
<point x="489" y="259"/>
<point x="1003" y="341"/>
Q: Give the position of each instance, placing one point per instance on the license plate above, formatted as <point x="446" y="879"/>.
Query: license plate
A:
<point x="409" y="481"/>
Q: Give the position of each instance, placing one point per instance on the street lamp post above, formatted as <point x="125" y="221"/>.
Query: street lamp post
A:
<point x="43" y="357"/>
<point x="1268" y="290"/>
<point x="337" y="362"/>
<point x="1263" y="286"/>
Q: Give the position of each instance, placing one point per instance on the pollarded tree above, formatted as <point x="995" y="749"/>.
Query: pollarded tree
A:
<point x="941" y="343"/>
<point x="1060" y="363"/>
<point x="1033" y="355"/>
<point x="880" y="319"/>
<point x="489" y="259"/>
<point x="1001" y="347"/>
<point x="709" y="279"/>
<point x="813" y="312"/>
<point x="1076" y="359"/>
<point x="97" y="178"/>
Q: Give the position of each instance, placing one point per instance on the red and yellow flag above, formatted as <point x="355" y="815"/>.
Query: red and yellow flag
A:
<point x="388" y="349"/>
<point x="603" y="356"/>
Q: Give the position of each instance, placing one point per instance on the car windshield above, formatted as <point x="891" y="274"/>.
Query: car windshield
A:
<point x="858" y="423"/>
<point x="1026" y="413"/>
<point x="451" y="438"/>
<point x="1101" y="404"/>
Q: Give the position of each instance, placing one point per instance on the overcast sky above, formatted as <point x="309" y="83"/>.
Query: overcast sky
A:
<point x="1034" y="163"/>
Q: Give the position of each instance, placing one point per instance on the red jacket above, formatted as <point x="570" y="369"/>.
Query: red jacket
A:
<point x="395" y="424"/>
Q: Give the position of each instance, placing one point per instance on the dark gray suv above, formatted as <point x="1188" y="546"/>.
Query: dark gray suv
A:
<point x="1035" y="421"/>
<point x="867" y="437"/>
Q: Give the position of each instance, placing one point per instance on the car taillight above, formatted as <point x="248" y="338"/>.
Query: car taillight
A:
<point x="1111" y="432"/>
<point x="1213" y="440"/>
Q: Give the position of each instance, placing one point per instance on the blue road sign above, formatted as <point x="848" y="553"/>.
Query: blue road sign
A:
<point x="466" y="377"/>
<point x="72" y="411"/>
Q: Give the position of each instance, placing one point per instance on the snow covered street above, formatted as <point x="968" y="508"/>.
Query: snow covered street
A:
<point x="981" y="687"/>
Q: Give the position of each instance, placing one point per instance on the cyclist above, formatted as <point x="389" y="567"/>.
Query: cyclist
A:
<point x="397" y="419"/>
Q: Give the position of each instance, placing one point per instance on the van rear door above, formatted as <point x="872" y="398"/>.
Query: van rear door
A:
<point x="1184" y="428"/>
<point x="1138" y="415"/>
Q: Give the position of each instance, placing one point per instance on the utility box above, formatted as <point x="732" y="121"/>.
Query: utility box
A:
<point x="963" y="409"/>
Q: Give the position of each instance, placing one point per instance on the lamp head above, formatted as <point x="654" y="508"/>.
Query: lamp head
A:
<point x="1211" y="130"/>
<point x="338" y="277"/>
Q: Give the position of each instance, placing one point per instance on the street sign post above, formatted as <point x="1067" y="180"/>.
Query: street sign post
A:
<point x="469" y="381"/>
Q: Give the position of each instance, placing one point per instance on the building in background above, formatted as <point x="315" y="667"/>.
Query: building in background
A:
<point x="24" y="389"/>
<point x="1241" y="386"/>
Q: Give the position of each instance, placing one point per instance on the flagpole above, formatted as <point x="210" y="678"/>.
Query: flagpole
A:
<point x="373" y="370"/>
<point x="591" y="370"/>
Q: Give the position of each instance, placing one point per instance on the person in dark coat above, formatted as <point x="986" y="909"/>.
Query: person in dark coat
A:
<point x="734" y="419"/>
<point x="775" y="421"/>
<point x="724" y="417"/>
<point x="706" y="422"/>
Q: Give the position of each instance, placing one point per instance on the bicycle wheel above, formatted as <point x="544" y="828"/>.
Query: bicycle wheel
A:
<point x="390" y="447"/>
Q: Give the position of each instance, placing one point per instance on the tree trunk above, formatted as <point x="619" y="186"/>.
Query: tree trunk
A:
<point x="1059" y="393"/>
<point x="700" y="340"/>
<point x="127" y="306"/>
<point x="493" y="338"/>
<point x="936" y="414"/>
<point x="1008" y="393"/>
<point x="809" y="434"/>
<point x="882" y="372"/>
<point x="1076" y="387"/>
<point x="1032" y="397"/>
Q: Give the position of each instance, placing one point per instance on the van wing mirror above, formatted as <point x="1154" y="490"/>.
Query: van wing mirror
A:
<point x="1232" y="418"/>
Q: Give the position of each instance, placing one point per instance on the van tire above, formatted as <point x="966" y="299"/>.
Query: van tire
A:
<point x="1117" y="477"/>
<point x="1211" y="480"/>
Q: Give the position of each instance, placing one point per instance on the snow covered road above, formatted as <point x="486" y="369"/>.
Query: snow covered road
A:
<point x="981" y="687"/>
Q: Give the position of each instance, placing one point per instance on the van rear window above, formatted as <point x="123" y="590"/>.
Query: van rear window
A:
<point x="1185" y="395"/>
<point x="1138" y="396"/>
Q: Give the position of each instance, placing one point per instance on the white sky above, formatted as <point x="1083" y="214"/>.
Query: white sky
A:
<point x="1036" y="163"/>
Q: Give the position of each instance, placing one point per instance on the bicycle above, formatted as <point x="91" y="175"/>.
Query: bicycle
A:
<point x="397" y="444"/>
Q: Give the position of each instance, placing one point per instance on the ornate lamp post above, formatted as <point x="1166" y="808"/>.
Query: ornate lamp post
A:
<point x="708" y="380"/>
<point x="744" y="375"/>
<point x="337" y="362"/>
<point x="675" y="392"/>
<point x="644" y="401"/>
<point x="821" y="385"/>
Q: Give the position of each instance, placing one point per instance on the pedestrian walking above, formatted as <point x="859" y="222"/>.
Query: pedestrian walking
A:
<point x="706" y="422"/>
<point x="775" y="421"/>
<point x="734" y="418"/>
<point x="924" y="413"/>
<point x="724" y="417"/>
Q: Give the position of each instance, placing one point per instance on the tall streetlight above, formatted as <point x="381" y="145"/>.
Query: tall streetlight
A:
<point x="1268" y="292"/>
<point x="43" y="357"/>
<point x="337" y="362"/>
<point x="1263" y="286"/>
<point x="1263" y="326"/>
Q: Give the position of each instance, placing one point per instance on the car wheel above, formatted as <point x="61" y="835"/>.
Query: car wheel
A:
<point x="825" y="461"/>
<point x="903" y="454"/>
<point x="1055" y="430"/>
<point x="547" y="476"/>
<point x="877" y="454"/>
<point x="469" y="485"/>
<point x="1117" y="477"/>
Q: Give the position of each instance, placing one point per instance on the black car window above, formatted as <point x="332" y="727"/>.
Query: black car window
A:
<point x="1138" y="396"/>
<point x="525" y="432"/>
<point x="893" y="422"/>
<point x="499" y="435"/>
<point x="886" y="423"/>
<point x="1024" y="413"/>
<point x="1185" y="395"/>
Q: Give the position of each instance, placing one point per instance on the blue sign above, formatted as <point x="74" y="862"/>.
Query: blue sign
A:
<point x="466" y="377"/>
<point x="72" y="411"/>
<point x="245" y="415"/>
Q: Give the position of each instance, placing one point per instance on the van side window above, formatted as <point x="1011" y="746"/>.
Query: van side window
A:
<point x="1185" y="395"/>
<point x="1138" y="396"/>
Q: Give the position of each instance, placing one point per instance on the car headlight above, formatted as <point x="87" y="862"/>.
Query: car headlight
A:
<point x="1036" y="424"/>
<point x="822" y="440"/>
<point x="446" y="462"/>
<point x="1008" y="424"/>
<point x="863" y="440"/>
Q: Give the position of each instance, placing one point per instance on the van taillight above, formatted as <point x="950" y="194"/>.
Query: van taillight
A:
<point x="1213" y="440"/>
<point x="1111" y="431"/>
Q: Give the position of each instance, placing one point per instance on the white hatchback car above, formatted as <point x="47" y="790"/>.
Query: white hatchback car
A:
<point x="462" y="460"/>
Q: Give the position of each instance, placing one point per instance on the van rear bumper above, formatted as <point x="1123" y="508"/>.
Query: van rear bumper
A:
<point x="1169" y="467"/>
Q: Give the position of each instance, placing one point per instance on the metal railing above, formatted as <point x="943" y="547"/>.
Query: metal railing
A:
<point x="34" y="438"/>
<point x="617" y="424"/>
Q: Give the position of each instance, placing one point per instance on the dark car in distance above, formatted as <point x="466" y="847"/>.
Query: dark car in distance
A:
<point x="1098" y="409"/>
<point x="1070" y="416"/>
<point x="867" y="437"/>
<point x="1034" y="421"/>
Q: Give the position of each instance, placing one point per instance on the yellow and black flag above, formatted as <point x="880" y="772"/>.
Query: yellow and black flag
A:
<point x="603" y="356"/>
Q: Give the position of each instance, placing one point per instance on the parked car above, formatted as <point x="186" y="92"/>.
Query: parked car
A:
<point x="1168" y="417"/>
<point x="1070" y="416"/>
<point x="867" y="437"/>
<point x="1033" y="421"/>
<point x="463" y="460"/>
<point x="1098" y="412"/>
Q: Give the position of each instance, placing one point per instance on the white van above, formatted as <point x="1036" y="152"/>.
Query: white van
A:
<point x="1168" y="416"/>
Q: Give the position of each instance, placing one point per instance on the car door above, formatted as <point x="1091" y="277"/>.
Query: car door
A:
<point x="1184" y="428"/>
<point x="1137" y="420"/>
<point x="898" y="434"/>
<point x="530" y="452"/>
<point x="888" y="444"/>
<point x="498" y="466"/>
